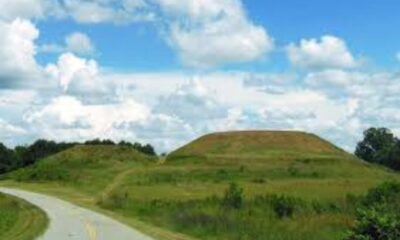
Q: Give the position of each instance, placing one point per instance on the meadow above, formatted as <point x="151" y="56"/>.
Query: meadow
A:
<point x="288" y="185"/>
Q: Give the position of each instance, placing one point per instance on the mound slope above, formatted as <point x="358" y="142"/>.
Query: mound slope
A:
<point x="257" y="143"/>
<point x="89" y="167"/>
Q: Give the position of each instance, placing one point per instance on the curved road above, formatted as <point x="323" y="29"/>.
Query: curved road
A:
<point x="70" y="222"/>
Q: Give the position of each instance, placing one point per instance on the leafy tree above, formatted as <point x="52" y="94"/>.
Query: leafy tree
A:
<point x="99" y="142"/>
<point x="379" y="146"/>
<point x="7" y="160"/>
<point x="148" y="149"/>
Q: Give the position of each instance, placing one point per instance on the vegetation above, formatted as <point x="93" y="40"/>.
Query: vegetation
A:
<point x="378" y="214"/>
<point x="380" y="146"/>
<point x="85" y="166"/>
<point x="233" y="197"/>
<point x="20" y="220"/>
<point x="242" y="185"/>
<point x="23" y="156"/>
<point x="146" y="149"/>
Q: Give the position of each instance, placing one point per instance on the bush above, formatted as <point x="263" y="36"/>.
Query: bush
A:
<point x="375" y="224"/>
<point x="233" y="197"/>
<point x="378" y="214"/>
<point x="284" y="206"/>
<point x="387" y="192"/>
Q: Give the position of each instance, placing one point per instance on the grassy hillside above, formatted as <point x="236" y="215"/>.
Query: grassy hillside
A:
<point x="295" y="186"/>
<point x="90" y="168"/>
<point x="258" y="144"/>
<point x="20" y="220"/>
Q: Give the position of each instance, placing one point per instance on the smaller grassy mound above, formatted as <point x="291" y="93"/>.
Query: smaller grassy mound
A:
<point x="257" y="144"/>
<point x="20" y="220"/>
<point x="89" y="167"/>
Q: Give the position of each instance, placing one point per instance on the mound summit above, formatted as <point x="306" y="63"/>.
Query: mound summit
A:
<point x="257" y="143"/>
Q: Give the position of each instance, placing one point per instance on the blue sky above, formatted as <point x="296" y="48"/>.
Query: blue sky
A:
<point x="138" y="46"/>
<point x="168" y="71"/>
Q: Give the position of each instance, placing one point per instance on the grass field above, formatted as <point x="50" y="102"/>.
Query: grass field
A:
<point x="20" y="220"/>
<point x="182" y="197"/>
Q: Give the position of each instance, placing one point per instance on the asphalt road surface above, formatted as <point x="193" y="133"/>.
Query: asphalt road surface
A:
<point x="70" y="222"/>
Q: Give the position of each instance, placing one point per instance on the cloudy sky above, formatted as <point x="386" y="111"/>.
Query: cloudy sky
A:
<point x="168" y="71"/>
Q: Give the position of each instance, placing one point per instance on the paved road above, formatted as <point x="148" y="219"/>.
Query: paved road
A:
<point x="70" y="222"/>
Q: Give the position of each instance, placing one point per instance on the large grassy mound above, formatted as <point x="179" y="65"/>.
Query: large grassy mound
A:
<point x="247" y="144"/>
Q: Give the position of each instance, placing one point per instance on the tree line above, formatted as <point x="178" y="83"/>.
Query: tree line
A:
<point x="23" y="156"/>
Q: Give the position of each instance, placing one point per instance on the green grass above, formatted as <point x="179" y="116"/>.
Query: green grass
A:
<point x="20" y="220"/>
<point x="171" y="199"/>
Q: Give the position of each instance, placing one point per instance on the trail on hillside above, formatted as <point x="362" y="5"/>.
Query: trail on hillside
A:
<point x="70" y="222"/>
<point x="116" y="181"/>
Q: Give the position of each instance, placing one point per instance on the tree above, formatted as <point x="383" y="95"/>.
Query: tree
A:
<point x="6" y="159"/>
<point x="148" y="149"/>
<point x="379" y="146"/>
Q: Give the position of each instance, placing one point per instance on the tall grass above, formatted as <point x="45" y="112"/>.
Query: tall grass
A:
<point x="233" y="216"/>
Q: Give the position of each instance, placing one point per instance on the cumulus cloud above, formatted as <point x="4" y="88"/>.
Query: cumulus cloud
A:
<point x="191" y="102"/>
<point x="17" y="53"/>
<point x="328" y="52"/>
<point x="209" y="33"/>
<point x="87" y="120"/>
<point x="204" y="33"/>
<point x="76" y="75"/>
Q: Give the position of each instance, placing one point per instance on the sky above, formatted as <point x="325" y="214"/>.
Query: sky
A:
<point x="168" y="71"/>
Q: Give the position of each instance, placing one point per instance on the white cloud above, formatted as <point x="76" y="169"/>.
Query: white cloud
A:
<point x="10" y="133"/>
<point x="67" y="115"/>
<point x="118" y="12"/>
<point x="209" y="33"/>
<point x="10" y="10"/>
<point x="88" y="11"/>
<point x="17" y="53"/>
<point x="79" y="43"/>
<point x="71" y="68"/>
<point x="191" y="102"/>
<point x="334" y="78"/>
<point x="328" y="52"/>
<point x="205" y="33"/>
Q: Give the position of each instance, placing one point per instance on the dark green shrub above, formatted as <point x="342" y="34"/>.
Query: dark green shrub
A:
<point x="375" y="224"/>
<point x="378" y="214"/>
<point x="284" y="206"/>
<point x="386" y="192"/>
<point x="233" y="197"/>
